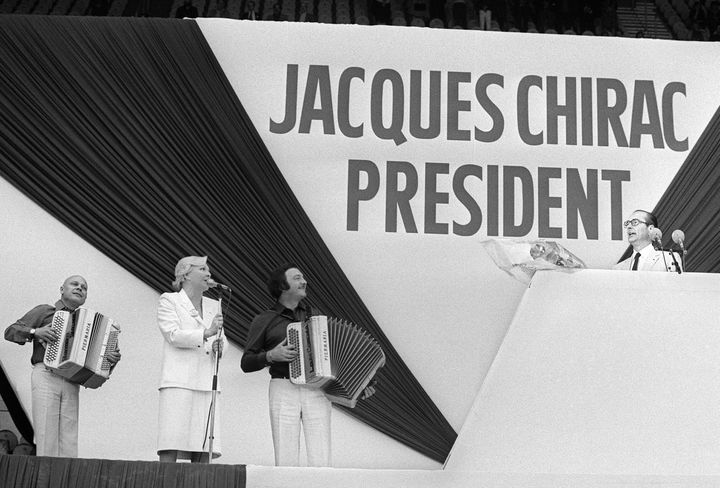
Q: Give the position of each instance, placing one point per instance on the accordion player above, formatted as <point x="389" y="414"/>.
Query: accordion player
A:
<point x="334" y="355"/>
<point x="84" y="339"/>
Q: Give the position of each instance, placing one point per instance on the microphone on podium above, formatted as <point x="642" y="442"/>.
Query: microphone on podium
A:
<point x="678" y="238"/>
<point x="656" y="236"/>
<point x="213" y="284"/>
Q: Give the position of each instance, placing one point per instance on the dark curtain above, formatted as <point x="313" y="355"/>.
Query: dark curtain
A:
<point x="692" y="203"/>
<point x="46" y="472"/>
<point x="128" y="132"/>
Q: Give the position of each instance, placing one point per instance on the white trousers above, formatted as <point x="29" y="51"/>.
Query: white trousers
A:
<point x="290" y="406"/>
<point x="55" y="403"/>
<point x="485" y="19"/>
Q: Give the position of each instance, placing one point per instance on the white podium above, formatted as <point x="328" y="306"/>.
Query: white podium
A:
<point x="603" y="372"/>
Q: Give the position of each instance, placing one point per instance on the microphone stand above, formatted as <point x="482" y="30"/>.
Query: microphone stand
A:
<point x="683" y="252"/>
<point x="677" y="267"/>
<point x="213" y="402"/>
<point x="678" y="238"/>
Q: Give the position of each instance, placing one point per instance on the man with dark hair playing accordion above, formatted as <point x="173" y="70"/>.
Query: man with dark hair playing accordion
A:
<point x="290" y="405"/>
<point x="54" y="398"/>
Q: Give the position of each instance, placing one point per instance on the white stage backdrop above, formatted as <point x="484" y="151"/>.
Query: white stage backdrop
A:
<point x="409" y="146"/>
<point x="406" y="147"/>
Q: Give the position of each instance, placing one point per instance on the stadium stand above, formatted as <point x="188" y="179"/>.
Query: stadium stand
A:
<point x="697" y="20"/>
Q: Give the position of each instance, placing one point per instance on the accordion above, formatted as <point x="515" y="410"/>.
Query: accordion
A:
<point x="334" y="355"/>
<point x="84" y="339"/>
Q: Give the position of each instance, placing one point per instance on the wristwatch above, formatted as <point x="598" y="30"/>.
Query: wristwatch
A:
<point x="32" y="333"/>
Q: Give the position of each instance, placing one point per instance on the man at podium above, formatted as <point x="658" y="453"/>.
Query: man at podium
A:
<point x="642" y="231"/>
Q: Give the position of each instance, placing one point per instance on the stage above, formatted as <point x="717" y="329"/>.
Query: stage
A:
<point x="32" y="471"/>
<point x="586" y="393"/>
<point x="43" y="472"/>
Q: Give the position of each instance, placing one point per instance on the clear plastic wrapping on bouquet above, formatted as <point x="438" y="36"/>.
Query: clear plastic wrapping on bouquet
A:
<point x="521" y="258"/>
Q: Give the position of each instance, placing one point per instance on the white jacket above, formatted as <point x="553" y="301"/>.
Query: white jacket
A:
<point x="187" y="359"/>
<point x="653" y="262"/>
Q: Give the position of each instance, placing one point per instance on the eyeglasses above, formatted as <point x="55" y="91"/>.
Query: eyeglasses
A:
<point x="633" y="222"/>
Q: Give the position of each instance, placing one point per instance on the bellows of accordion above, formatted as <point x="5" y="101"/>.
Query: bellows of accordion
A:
<point x="84" y="339"/>
<point x="334" y="355"/>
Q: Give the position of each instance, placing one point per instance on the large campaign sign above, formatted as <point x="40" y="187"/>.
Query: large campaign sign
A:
<point x="408" y="147"/>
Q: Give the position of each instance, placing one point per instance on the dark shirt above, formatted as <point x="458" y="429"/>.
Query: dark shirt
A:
<point x="39" y="316"/>
<point x="268" y="330"/>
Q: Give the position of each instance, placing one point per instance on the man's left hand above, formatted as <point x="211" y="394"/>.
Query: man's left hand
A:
<point x="367" y="393"/>
<point x="113" y="357"/>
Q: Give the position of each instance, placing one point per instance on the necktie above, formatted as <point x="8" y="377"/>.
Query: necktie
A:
<point x="635" y="261"/>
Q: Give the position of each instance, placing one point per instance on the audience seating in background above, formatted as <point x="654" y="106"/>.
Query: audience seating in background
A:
<point x="686" y="19"/>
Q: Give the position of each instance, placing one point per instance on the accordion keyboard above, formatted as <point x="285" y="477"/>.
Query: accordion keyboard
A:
<point x="294" y="339"/>
<point x="52" y="349"/>
<point x="111" y="346"/>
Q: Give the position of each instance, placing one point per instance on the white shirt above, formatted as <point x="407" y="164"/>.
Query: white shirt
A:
<point x="645" y="252"/>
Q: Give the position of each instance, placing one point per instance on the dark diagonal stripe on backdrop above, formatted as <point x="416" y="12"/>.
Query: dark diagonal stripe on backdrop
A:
<point x="119" y="127"/>
<point x="692" y="202"/>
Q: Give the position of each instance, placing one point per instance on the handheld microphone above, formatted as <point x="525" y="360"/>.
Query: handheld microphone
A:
<point x="212" y="284"/>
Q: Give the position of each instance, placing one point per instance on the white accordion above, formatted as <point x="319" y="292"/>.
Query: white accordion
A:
<point x="334" y="355"/>
<point x="85" y="337"/>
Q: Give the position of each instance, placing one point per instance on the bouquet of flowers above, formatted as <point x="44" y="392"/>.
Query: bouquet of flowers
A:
<point x="521" y="258"/>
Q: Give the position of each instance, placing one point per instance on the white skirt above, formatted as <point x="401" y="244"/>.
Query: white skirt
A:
<point x="184" y="422"/>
